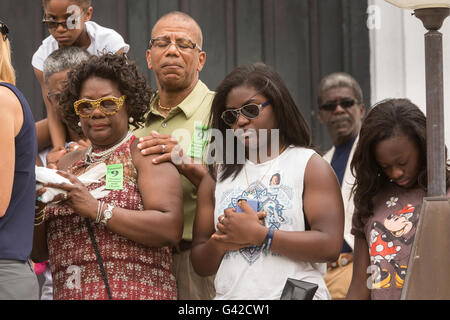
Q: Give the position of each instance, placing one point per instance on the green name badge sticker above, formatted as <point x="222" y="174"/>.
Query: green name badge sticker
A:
<point x="114" y="177"/>
<point x="199" y="140"/>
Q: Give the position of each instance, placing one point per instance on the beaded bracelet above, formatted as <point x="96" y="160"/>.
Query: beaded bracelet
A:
<point x="36" y="224"/>
<point x="40" y="218"/>
<point x="40" y="213"/>
<point x="98" y="218"/>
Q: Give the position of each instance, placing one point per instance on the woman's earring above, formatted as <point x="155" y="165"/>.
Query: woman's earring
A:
<point x="130" y="120"/>
<point x="79" y="124"/>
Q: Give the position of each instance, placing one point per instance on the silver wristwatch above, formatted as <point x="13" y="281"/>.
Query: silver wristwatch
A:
<point x="107" y="214"/>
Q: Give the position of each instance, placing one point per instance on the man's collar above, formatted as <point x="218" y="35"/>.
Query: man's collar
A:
<point x="191" y="103"/>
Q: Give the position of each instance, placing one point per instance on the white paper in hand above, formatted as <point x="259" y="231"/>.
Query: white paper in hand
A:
<point x="46" y="175"/>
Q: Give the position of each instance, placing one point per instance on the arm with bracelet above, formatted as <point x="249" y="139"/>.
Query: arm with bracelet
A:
<point x="324" y="239"/>
<point x="39" y="252"/>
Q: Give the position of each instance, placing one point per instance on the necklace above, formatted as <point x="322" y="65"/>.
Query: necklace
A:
<point x="92" y="157"/>
<point x="257" y="184"/>
<point x="161" y="107"/>
<point x="250" y="191"/>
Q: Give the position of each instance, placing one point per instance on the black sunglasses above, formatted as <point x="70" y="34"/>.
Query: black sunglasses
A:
<point x="332" y="105"/>
<point x="4" y="30"/>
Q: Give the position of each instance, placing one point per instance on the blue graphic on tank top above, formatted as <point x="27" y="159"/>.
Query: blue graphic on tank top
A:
<point x="273" y="203"/>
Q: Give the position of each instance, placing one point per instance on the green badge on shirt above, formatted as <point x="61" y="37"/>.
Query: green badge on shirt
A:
<point x="114" y="177"/>
<point x="199" y="140"/>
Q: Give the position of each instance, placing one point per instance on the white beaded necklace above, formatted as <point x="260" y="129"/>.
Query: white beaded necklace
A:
<point x="92" y="157"/>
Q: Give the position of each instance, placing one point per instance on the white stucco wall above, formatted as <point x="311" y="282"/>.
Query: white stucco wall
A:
<point x="398" y="56"/>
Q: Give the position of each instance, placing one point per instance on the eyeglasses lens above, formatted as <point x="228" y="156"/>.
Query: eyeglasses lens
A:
<point x="184" y="44"/>
<point x="85" y="108"/>
<point x="230" y="117"/>
<point x="250" y="111"/>
<point x="55" y="98"/>
<point x="347" y="103"/>
<point x="109" y="106"/>
<point x="55" y="24"/>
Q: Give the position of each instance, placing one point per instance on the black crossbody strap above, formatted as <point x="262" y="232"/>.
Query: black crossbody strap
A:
<point x="99" y="258"/>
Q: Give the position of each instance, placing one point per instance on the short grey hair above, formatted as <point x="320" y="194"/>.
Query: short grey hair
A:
<point x="339" y="80"/>
<point x="62" y="59"/>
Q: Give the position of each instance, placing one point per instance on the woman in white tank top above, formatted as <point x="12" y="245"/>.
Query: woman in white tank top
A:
<point x="292" y="221"/>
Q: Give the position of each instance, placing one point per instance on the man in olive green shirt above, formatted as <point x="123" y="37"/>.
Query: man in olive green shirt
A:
<point x="177" y="119"/>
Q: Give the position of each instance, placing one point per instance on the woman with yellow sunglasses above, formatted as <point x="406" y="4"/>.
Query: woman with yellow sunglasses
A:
<point x="117" y="246"/>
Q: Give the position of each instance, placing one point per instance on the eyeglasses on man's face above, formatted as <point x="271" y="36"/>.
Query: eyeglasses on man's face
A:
<point x="108" y="105"/>
<point x="250" y="111"/>
<point x="4" y="30"/>
<point x="54" y="98"/>
<point x="344" y="103"/>
<point x="181" y="44"/>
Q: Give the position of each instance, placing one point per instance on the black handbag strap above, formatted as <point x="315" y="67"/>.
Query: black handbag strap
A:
<point x="99" y="258"/>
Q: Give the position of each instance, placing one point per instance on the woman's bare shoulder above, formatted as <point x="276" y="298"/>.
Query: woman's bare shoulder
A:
<point x="10" y="102"/>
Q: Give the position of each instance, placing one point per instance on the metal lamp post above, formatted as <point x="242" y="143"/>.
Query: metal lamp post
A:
<point x="428" y="272"/>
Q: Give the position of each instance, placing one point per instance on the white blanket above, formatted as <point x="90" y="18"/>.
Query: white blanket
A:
<point x="46" y="175"/>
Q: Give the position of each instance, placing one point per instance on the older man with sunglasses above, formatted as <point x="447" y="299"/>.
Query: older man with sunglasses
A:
<point x="341" y="110"/>
<point x="177" y="120"/>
